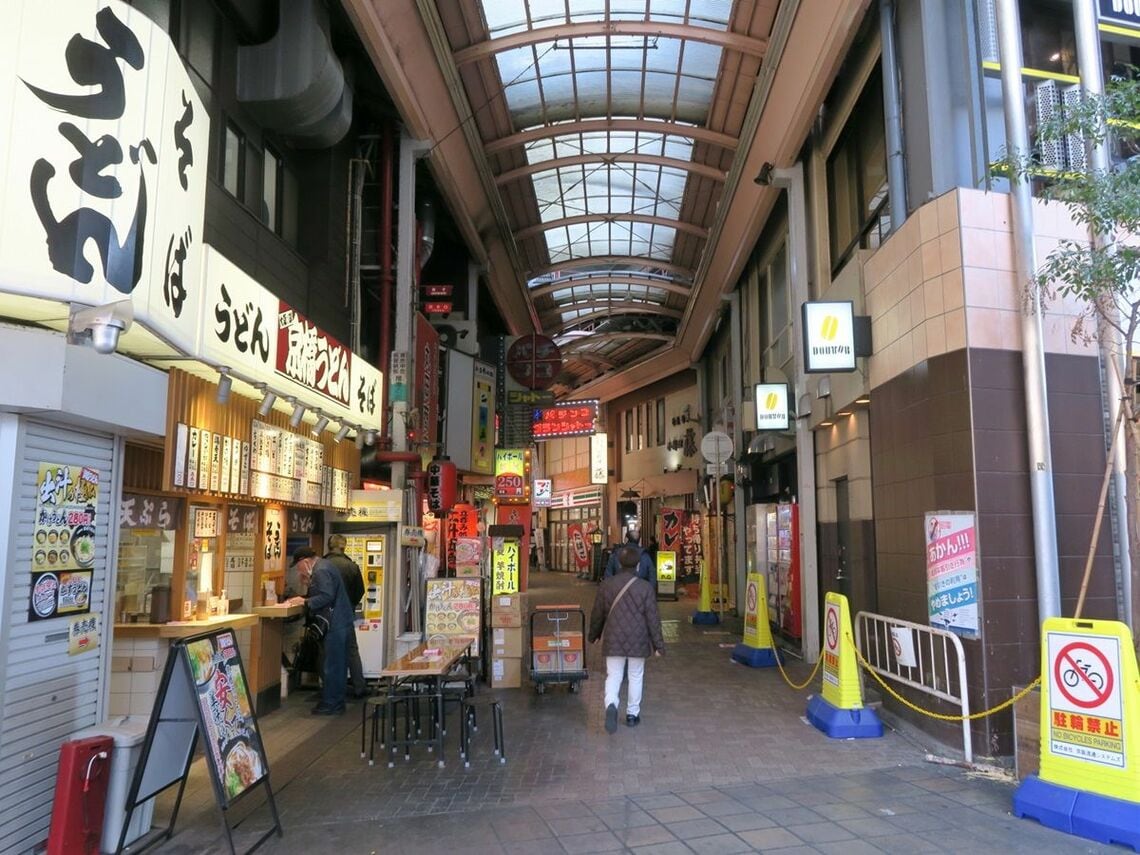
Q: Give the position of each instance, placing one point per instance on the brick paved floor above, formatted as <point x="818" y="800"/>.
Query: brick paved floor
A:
<point x="723" y="762"/>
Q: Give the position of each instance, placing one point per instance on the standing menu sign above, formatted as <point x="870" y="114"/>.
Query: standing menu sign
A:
<point x="453" y="609"/>
<point x="203" y="692"/>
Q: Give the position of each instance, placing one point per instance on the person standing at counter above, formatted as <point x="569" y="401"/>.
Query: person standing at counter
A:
<point x="303" y="655"/>
<point x="327" y="596"/>
<point x="354" y="585"/>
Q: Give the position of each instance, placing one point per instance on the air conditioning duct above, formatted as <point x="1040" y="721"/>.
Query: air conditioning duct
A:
<point x="294" y="84"/>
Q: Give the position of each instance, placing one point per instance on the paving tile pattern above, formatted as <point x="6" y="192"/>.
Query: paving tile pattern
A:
<point x="723" y="762"/>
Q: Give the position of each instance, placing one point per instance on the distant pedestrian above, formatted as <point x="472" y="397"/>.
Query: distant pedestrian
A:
<point x="625" y="618"/>
<point x="645" y="568"/>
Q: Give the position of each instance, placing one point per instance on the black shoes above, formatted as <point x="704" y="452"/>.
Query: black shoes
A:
<point x="633" y="720"/>
<point x="611" y="719"/>
<point x="322" y="709"/>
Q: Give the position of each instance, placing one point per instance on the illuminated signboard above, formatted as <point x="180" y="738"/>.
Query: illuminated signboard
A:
<point x="571" y="418"/>
<point x="512" y="474"/>
<point x="599" y="459"/>
<point x="772" y="406"/>
<point x="829" y="337"/>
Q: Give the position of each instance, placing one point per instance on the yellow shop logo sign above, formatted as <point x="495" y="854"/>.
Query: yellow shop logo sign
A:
<point x="829" y="328"/>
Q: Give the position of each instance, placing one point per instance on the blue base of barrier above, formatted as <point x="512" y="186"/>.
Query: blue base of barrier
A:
<point x="1089" y="815"/>
<point x="705" y="618"/>
<point x="843" y="724"/>
<point x="754" y="657"/>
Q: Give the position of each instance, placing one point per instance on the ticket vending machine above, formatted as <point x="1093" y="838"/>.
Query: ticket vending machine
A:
<point x="372" y="551"/>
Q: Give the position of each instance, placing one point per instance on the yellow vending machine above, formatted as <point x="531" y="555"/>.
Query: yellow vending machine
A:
<point x="371" y="552"/>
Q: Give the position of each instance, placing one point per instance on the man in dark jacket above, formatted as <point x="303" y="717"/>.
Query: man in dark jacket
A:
<point x="645" y="568"/>
<point x="354" y="586"/>
<point x="326" y="588"/>
<point x="626" y="609"/>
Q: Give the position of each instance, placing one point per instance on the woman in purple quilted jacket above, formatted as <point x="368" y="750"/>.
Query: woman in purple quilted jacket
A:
<point x="625" y="618"/>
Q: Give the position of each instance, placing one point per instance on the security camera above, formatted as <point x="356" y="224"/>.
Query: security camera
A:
<point x="101" y="325"/>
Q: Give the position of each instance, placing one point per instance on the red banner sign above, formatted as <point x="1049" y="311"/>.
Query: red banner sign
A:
<point x="311" y="357"/>
<point x="578" y="548"/>
<point x="462" y="521"/>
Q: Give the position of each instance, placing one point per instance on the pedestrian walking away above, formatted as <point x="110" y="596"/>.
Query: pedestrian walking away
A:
<point x="626" y="620"/>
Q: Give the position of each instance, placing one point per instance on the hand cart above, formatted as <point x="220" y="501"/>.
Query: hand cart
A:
<point x="558" y="646"/>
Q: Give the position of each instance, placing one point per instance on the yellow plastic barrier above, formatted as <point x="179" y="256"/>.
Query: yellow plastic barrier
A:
<point x="757" y="649"/>
<point x="839" y="711"/>
<point x="704" y="613"/>
<point x="1089" y="779"/>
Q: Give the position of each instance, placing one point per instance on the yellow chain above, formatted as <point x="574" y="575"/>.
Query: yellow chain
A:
<point x="783" y="674"/>
<point x="940" y="716"/>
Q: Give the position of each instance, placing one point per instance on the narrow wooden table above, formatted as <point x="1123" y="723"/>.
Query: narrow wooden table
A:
<point x="425" y="662"/>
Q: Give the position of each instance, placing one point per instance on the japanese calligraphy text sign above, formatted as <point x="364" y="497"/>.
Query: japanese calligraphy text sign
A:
<point x="1089" y="779"/>
<point x="839" y="710"/>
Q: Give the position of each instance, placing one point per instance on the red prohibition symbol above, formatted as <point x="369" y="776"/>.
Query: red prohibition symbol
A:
<point x="752" y="597"/>
<point x="832" y="628"/>
<point x="1081" y="664"/>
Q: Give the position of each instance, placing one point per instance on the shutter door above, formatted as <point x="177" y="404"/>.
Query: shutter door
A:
<point x="46" y="694"/>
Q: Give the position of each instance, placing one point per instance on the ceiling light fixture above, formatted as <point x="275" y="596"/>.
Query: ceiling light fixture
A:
<point x="322" y="423"/>
<point x="826" y="423"/>
<point x="225" y="385"/>
<point x="764" y="177"/>
<point x="298" y="413"/>
<point x="267" y="401"/>
<point x="864" y="399"/>
<point x="342" y="433"/>
<point x="370" y="437"/>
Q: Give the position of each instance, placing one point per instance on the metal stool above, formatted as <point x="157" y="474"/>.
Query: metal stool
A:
<point x="468" y="724"/>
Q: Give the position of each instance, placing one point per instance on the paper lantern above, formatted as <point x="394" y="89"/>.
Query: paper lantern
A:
<point x="441" y="485"/>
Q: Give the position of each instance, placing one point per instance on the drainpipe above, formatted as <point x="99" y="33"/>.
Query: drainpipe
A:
<point x="892" y="114"/>
<point x="737" y="370"/>
<point x="1108" y="339"/>
<point x="792" y="180"/>
<point x="1033" y="351"/>
<point x="386" y="176"/>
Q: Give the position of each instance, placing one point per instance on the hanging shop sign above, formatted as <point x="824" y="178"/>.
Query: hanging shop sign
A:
<point x="829" y="336"/>
<point x="512" y="474"/>
<point x="273" y="546"/>
<point x="681" y="533"/>
<point x="105" y="164"/>
<point x="952" y="572"/>
<point x="425" y="385"/>
<point x="533" y="361"/>
<point x="241" y="539"/>
<point x="772" y="411"/>
<point x="483" y="419"/>
<point x="599" y="459"/>
<point x="543" y="492"/>
<point x="579" y="550"/>
<point x="572" y="418"/>
<point x="304" y="522"/>
<point x="462" y="522"/>
<point x="1126" y="13"/>
<point x="63" y="535"/>
<point x="441" y="485"/>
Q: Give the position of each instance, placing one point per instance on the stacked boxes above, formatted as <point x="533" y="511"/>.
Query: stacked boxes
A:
<point x="508" y="640"/>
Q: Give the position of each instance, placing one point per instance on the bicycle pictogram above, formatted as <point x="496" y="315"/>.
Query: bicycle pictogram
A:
<point x="1071" y="676"/>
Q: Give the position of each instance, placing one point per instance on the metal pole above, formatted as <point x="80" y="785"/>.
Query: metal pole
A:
<point x="792" y="180"/>
<point x="1033" y="352"/>
<point x="410" y="151"/>
<point x="741" y="547"/>
<point x="1108" y="339"/>
<point x="892" y="114"/>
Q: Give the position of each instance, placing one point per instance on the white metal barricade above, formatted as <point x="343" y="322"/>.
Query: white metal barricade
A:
<point x="918" y="656"/>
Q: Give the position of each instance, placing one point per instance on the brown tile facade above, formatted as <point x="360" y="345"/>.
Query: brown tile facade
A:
<point x="950" y="434"/>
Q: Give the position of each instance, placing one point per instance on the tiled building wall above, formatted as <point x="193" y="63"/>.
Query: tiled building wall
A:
<point x="948" y="430"/>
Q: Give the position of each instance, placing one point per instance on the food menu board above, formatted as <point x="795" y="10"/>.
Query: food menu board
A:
<point x="453" y="609"/>
<point x="233" y="743"/>
<point x="205" y="460"/>
<point x="288" y="467"/>
<point x="64" y="534"/>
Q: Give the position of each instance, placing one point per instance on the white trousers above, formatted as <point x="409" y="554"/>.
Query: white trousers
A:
<point x="615" y="668"/>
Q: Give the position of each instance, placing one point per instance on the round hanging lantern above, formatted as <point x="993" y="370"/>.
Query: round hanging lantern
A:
<point x="441" y="485"/>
